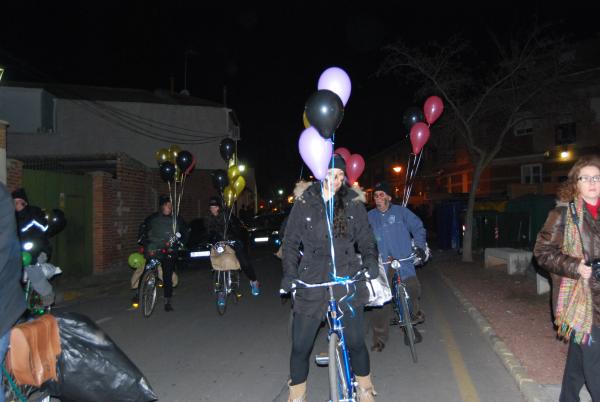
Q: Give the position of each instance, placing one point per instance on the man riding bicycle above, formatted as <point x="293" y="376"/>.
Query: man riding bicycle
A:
<point x="218" y="229"/>
<point x="161" y="241"/>
<point x="396" y="228"/>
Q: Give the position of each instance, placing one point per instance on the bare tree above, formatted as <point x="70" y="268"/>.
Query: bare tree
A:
<point x="485" y="93"/>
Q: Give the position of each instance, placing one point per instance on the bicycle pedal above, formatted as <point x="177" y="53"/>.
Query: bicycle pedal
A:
<point x="322" y="359"/>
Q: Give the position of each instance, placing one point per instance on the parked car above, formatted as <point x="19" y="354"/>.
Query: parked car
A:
<point x="264" y="229"/>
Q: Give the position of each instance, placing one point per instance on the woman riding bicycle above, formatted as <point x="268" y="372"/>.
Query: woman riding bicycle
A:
<point x="308" y="225"/>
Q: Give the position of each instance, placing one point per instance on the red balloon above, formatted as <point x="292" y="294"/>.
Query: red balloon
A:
<point x="343" y="152"/>
<point x="192" y="166"/>
<point x="419" y="135"/>
<point x="355" y="166"/>
<point x="433" y="108"/>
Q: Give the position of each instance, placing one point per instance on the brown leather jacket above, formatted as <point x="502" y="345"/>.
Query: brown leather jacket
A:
<point x="549" y="255"/>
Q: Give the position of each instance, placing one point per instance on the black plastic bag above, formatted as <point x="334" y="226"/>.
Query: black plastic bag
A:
<point x="92" y="368"/>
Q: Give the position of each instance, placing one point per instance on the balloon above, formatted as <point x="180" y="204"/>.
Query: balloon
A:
<point x="173" y="152"/>
<point x="56" y="222"/>
<point x="26" y="258"/>
<point x="325" y="111"/>
<point x="227" y="149"/>
<point x="162" y="155"/>
<point x="229" y="196"/>
<point x="355" y="166"/>
<point x="192" y="166"/>
<point x="343" y="152"/>
<point x="220" y="179"/>
<point x="238" y="185"/>
<point x="233" y="172"/>
<point x="316" y="152"/>
<point x="433" y="108"/>
<point x="184" y="160"/>
<point x="336" y="80"/>
<point x="178" y="174"/>
<point x="136" y="261"/>
<point x="167" y="171"/>
<point x="411" y="116"/>
<point x="419" y="135"/>
<point x="305" y="120"/>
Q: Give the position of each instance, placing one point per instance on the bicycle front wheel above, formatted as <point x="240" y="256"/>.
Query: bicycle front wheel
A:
<point x="339" y="388"/>
<point x="408" y="326"/>
<point x="148" y="292"/>
<point x="221" y="281"/>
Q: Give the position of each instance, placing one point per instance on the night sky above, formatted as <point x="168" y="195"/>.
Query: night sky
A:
<point x="269" y="58"/>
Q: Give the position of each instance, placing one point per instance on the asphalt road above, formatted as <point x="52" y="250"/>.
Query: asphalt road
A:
<point x="193" y="354"/>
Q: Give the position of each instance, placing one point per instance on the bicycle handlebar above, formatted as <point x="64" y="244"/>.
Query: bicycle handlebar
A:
<point x="360" y="275"/>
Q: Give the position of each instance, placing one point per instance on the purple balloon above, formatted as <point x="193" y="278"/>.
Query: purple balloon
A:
<point x="336" y="80"/>
<point x="316" y="152"/>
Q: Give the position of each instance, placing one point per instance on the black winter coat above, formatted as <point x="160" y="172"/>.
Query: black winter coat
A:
<point x="307" y="225"/>
<point x="34" y="234"/>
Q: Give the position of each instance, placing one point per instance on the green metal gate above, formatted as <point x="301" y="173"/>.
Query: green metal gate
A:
<point x="71" y="248"/>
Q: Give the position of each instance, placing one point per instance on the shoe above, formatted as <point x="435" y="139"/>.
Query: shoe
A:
<point x="255" y="288"/>
<point x="418" y="337"/>
<point x="168" y="307"/>
<point x="366" y="390"/>
<point x="297" y="392"/>
<point x="418" y="318"/>
<point x="378" y="346"/>
<point x="135" y="302"/>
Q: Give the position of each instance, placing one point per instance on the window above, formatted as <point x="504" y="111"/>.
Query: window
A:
<point x="531" y="174"/>
<point x="524" y="128"/>
<point x="565" y="133"/>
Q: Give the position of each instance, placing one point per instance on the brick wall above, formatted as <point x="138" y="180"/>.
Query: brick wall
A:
<point x="14" y="174"/>
<point x="121" y="203"/>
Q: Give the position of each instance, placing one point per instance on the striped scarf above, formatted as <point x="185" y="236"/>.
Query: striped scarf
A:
<point x="574" y="311"/>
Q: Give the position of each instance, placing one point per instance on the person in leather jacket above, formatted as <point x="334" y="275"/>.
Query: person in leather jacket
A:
<point x="568" y="246"/>
<point x="308" y="225"/>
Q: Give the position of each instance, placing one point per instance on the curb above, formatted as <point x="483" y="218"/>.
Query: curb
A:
<point x="531" y="390"/>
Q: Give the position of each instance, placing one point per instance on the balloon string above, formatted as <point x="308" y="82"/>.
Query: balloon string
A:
<point x="413" y="175"/>
<point x="408" y="169"/>
<point x="183" y="176"/>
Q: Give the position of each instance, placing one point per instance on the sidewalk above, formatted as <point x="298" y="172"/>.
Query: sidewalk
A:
<point x="71" y="288"/>
<point x="516" y="321"/>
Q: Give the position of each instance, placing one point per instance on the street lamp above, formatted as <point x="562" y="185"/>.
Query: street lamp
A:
<point x="242" y="168"/>
<point x="564" y="155"/>
<point x="397" y="169"/>
<point x="280" y="192"/>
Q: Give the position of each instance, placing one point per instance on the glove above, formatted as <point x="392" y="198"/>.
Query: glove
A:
<point x="372" y="268"/>
<point x="421" y="256"/>
<point x="286" y="286"/>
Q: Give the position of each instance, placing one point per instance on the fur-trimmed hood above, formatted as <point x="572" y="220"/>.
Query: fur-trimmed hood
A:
<point x="355" y="193"/>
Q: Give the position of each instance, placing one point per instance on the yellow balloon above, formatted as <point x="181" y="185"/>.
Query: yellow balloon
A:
<point x="229" y="196"/>
<point x="305" y="120"/>
<point x="162" y="155"/>
<point x="173" y="151"/>
<point x="238" y="185"/>
<point x="233" y="172"/>
<point x="178" y="174"/>
<point x="232" y="161"/>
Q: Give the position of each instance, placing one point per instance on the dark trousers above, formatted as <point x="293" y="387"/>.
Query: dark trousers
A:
<point x="583" y="367"/>
<point x="245" y="265"/>
<point x="168" y="265"/>
<point x="380" y="316"/>
<point x="304" y="331"/>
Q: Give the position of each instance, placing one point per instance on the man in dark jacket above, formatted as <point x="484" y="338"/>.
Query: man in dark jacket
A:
<point x="218" y="229"/>
<point x="159" y="235"/>
<point x="12" y="297"/>
<point x="31" y="225"/>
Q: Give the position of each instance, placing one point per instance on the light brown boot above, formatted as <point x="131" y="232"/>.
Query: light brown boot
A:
<point x="297" y="392"/>
<point x="366" y="391"/>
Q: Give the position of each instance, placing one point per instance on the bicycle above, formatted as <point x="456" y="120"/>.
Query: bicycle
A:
<point x="402" y="304"/>
<point x="148" y="287"/>
<point x="342" y="382"/>
<point x="226" y="273"/>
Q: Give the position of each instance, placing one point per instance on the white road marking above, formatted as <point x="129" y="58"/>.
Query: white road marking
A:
<point x="101" y="320"/>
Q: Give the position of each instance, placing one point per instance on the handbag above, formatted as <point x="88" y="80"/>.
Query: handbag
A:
<point x="379" y="288"/>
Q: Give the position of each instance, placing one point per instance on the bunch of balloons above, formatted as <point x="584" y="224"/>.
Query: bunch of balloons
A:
<point x="175" y="165"/>
<point x="229" y="183"/>
<point x="419" y="135"/>
<point x="355" y="164"/>
<point x="323" y="113"/>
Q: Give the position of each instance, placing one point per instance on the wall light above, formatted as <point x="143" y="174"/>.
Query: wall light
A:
<point x="565" y="155"/>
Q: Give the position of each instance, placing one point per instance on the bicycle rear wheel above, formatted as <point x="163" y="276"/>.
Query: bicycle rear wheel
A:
<point x="408" y="326"/>
<point x="339" y="389"/>
<point x="148" y="292"/>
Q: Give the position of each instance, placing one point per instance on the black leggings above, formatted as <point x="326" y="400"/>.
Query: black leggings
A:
<point x="242" y="256"/>
<point x="304" y="331"/>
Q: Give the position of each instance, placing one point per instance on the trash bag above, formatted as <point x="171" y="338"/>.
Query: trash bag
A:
<point x="92" y="368"/>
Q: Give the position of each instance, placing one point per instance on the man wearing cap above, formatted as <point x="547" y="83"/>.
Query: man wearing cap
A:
<point x="31" y="223"/>
<point x="155" y="235"/>
<point x="219" y="229"/>
<point x="396" y="228"/>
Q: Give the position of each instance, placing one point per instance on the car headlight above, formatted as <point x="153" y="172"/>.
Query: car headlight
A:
<point x="275" y="232"/>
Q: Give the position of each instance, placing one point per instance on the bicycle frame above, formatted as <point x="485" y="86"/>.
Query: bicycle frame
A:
<point x="399" y="286"/>
<point x="334" y="318"/>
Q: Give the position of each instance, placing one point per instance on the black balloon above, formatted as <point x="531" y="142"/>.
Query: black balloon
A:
<point x="324" y="111"/>
<point x="220" y="179"/>
<point x="227" y="149"/>
<point x="411" y="116"/>
<point x="56" y="222"/>
<point x="184" y="160"/>
<point x="167" y="171"/>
